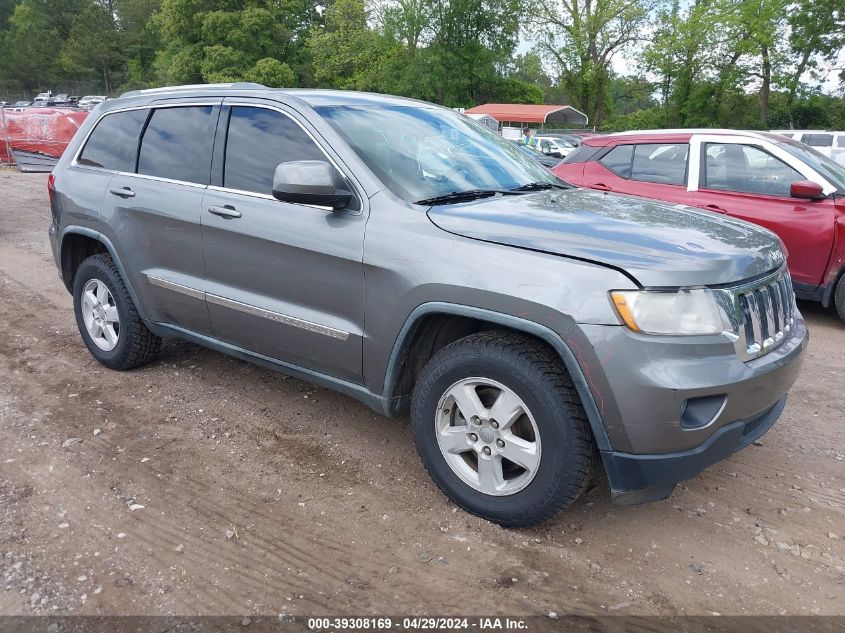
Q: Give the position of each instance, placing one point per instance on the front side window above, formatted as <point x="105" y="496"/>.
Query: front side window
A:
<point x="177" y="144"/>
<point x="114" y="142"/>
<point x="421" y="152"/>
<point x="661" y="163"/>
<point x="258" y="140"/>
<point x="747" y="169"/>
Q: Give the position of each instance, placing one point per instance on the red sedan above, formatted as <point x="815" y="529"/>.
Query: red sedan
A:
<point x="763" y="178"/>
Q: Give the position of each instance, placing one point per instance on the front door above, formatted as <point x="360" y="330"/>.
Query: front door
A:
<point x="748" y="182"/>
<point x="283" y="280"/>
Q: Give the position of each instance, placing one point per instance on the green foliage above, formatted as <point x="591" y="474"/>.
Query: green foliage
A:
<point x="346" y="53"/>
<point x="648" y="119"/>
<point x="693" y="63"/>
<point x="271" y="72"/>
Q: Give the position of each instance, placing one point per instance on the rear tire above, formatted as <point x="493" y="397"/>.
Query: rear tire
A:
<point x="839" y="297"/>
<point x="543" y="427"/>
<point x="107" y="319"/>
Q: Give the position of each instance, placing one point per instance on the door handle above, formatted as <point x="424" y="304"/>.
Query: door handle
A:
<point x="601" y="186"/>
<point x="228" y="212"/>
<point x="714" y="207"/>
<point x="123" y="192"/>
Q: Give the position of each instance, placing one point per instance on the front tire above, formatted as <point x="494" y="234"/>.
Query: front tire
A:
<point x="501" y="430"/>
<point x="107" y="319"/>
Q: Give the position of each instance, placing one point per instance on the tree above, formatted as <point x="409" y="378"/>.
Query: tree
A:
<point x="271" y="72"/>
<point x="472" y="40"/>
<point x="582" y="37"/>
<point x="816" y="34"/>
<point x="347" y="53"/>
<point x="93" y="46"/>
<point x="216" y="40"/>
<point x="31" y="48"/>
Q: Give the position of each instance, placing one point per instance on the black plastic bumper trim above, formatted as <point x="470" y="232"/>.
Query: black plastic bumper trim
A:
<point x="642" y="478"/>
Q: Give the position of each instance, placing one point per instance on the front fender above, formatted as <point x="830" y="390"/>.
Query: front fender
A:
<point x="506" y="320"/>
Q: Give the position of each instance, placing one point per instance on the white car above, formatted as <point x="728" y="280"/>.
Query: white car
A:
<point x="43" y="99"/>
<point x="554" y="146"/>
<point x="831" y="144"/>
<point x="89" y="101"/>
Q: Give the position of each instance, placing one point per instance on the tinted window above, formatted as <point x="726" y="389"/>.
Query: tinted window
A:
<point x="818" y="140"/>
<point x="114" y="142"/>
<point x="749" y="169"/>
<point x="177" y="144"/>
<point x="618" y="160"/>
<point x="260" y="139"/>
<point x="581" y="154"/>
<point x="661" y="163"/>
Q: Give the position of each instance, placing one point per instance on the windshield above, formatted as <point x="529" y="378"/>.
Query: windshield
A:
<point x="425" y="152"/>
<point x="830" y="169"/>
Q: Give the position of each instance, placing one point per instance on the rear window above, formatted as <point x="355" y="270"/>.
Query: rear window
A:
<point x="818" y="140"/>
<point x="114" y="142"/>
<point x="177" y="144"/>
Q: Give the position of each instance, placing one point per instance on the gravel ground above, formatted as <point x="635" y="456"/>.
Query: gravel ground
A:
<point x="204" y="485"/>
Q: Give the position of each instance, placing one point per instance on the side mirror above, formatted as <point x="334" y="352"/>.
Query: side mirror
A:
<point x="806" y="189"/>
<point x="309" y="182"/>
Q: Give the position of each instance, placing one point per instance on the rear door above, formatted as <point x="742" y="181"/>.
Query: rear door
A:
<point x="747" y="181"/>
<point x="153" y="211"/>
<point x="653" y="170"/>
<point x="284" y="280"/>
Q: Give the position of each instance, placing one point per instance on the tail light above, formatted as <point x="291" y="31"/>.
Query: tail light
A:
<point x="51" y="188"/>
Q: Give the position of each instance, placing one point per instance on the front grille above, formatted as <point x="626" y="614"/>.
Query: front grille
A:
<point x="763" y="314"/>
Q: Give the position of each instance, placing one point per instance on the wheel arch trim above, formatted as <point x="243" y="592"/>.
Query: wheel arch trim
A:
<point x="74" y="229"/>
<point x="542" y="332"/>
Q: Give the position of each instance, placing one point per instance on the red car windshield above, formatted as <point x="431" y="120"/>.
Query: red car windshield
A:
<point x="830" y="169"/>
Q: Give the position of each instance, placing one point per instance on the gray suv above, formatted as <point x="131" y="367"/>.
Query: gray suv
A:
<point x="402" y="254"/>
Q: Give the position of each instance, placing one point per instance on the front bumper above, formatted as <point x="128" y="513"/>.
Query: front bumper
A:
<point x="642" y="478"/>
<point x="672" y="406"/>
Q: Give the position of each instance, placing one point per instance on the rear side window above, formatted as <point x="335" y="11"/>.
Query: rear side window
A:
<point x="661" y="163"/>
<point x="818" y="140"/>
<point x="618" y="160"/>
<point x="114" y="142"/>
<point x="258" y="140"/>
<point x="177" y="144"/>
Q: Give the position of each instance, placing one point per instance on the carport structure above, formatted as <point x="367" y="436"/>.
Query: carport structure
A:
<point x="552" y="116"/>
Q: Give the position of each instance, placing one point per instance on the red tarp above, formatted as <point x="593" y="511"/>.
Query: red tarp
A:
<point x="42" y="130"/>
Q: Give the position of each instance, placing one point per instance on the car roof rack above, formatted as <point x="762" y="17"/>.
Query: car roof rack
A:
<point x="238" y="85"/>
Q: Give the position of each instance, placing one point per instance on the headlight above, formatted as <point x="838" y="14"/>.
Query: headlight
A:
<point x="681" y="312"/>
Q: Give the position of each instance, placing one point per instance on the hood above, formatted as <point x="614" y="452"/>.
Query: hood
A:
<point x="658" y="244"/>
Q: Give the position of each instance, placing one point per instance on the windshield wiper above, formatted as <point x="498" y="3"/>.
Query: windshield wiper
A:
<point x="539" y="186"/>
<point x="466" y="196"/>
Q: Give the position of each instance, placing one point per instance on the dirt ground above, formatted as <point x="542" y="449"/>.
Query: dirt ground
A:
<point x="205" y="485"/>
